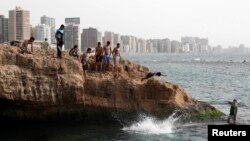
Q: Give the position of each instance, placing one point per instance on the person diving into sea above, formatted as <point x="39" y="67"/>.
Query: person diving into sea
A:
<point x="151" y="74"/>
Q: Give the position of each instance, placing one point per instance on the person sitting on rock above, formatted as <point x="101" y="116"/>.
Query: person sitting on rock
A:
<point x="24" y="46"/>
<point x="85" y="61"/>
<point x="151" y="74"/>
<point x="74" y="51"/>
<point x="233" y="112"/>
<point x="45" y="44"/>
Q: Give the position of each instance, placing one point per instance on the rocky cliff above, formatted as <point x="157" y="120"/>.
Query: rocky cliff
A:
<point x="39" y="86"/>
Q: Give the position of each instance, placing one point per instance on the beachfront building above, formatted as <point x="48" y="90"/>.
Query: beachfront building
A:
<point x="175" y="46"/>
<point x="4" y="23"/>
<point x="117" y="39"/>
<point x="72" y="33"/>
<point x="195" y="44"/>
<point x="109" y="36"/>
<point x="166" y="45"/>
<point x="141" y="46"/>
<point x="89" y="38"/>
<point x="19" y="24"/>
<point x="126" y="40"/>
<point x="49" y="21"/>
<point x="40" y="32"/>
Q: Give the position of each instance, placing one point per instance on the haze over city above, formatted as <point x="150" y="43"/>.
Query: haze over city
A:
<point x="223" y="22"/>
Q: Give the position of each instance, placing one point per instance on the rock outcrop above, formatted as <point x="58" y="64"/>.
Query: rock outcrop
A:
<point x="39" y="86"/>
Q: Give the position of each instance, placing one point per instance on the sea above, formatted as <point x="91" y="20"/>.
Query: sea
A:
<point x="212" y="78"/>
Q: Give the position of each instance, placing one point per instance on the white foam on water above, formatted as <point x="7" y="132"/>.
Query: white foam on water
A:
<point x="149" y="125"/>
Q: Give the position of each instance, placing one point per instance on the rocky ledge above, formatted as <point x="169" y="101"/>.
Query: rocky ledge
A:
<point x="39" y="86"/>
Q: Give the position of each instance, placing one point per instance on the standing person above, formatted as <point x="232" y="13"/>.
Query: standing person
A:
<point x="74" y="51"/>
<point x="59" y="40"/>
<point x="107" y="55"/>
<point x="98" y="56"/>
<point x="116" y="58"/>
<point x="85" y="61"/>
<point x="24" y="45"/>
<point x="233" y="112"/>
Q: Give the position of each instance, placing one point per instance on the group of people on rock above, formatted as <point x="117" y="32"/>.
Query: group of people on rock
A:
<point x="102" y="58"/>
<point x="102" y="54"/>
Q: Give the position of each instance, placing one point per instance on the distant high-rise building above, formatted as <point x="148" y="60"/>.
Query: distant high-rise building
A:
<point x="99" y="37"/>
<point x="90" y="37"/>
<point x="31" y="31"/>
<point x="40" y="32"/>
<point x="149" y="46"/>
<point x="72" y="33"/>
<point x="159" y="46"/>
<point x="126" y="40"/>
<point x="175" y="46"/>
<point x="166" y="45"/>
<point x="4" y="23"/>
<point x="51" y="22"/>
<point x="141" y="46"/>
<point x="72" y="36"/>
<point x="73" y="20"/>
<point x="185" y="47"/>
<point x="133" y="44"/>
<point x="155" y="45"/>
<point x="195" y="44"/>
<point x="19" y="24"/>
<point x="109" y="36"/>
<point x="117" y="39"/>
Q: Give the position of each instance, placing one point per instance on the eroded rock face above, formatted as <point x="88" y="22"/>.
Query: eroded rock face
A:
<point x="40" y="86"/>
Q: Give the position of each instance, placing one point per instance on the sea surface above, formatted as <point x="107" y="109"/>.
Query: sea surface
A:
<point x="213" y="78"/>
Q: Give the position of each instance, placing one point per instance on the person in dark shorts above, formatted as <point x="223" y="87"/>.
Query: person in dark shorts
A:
<point x="151" y="74"/>
<point x="85" y="61"/>
<point x="24" y="45"/>
<point x="59" y="40"/>
<point x="98" y="56"/>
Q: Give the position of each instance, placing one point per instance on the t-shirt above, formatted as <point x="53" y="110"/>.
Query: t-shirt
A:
<point x="232" y="109"/>
<point x="59" y="35"/>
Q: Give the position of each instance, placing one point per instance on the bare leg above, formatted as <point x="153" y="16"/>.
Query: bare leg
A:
<point x="101" y="67"/>
<point x="85" y="74"/>
<point x="96" y="65"/>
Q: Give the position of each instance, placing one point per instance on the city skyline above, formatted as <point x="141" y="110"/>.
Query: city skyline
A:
<point x="224" y="22"/>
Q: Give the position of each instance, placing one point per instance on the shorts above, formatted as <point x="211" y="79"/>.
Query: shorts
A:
<point x="99" y="58"/>
<point x="116" y="60"/>
<point x="85" y="66"/>
<point x="106" y="59"/>
<point x="24" y="49"/>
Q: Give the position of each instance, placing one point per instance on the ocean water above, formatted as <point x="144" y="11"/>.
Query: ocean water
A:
<point x="213" y="78"/>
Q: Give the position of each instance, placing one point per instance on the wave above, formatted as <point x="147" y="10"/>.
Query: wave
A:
<point x="150" y="125"/>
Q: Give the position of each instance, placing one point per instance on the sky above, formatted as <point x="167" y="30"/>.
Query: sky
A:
<point x="223" y="22"/>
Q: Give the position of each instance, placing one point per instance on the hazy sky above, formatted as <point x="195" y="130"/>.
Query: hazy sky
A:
<point x="225" y="22"/>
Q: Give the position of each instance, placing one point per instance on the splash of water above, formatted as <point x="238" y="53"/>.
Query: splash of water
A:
<point x="149" y="125"/>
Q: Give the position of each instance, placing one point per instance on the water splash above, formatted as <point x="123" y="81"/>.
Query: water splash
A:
<point x="150" y="125"/>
